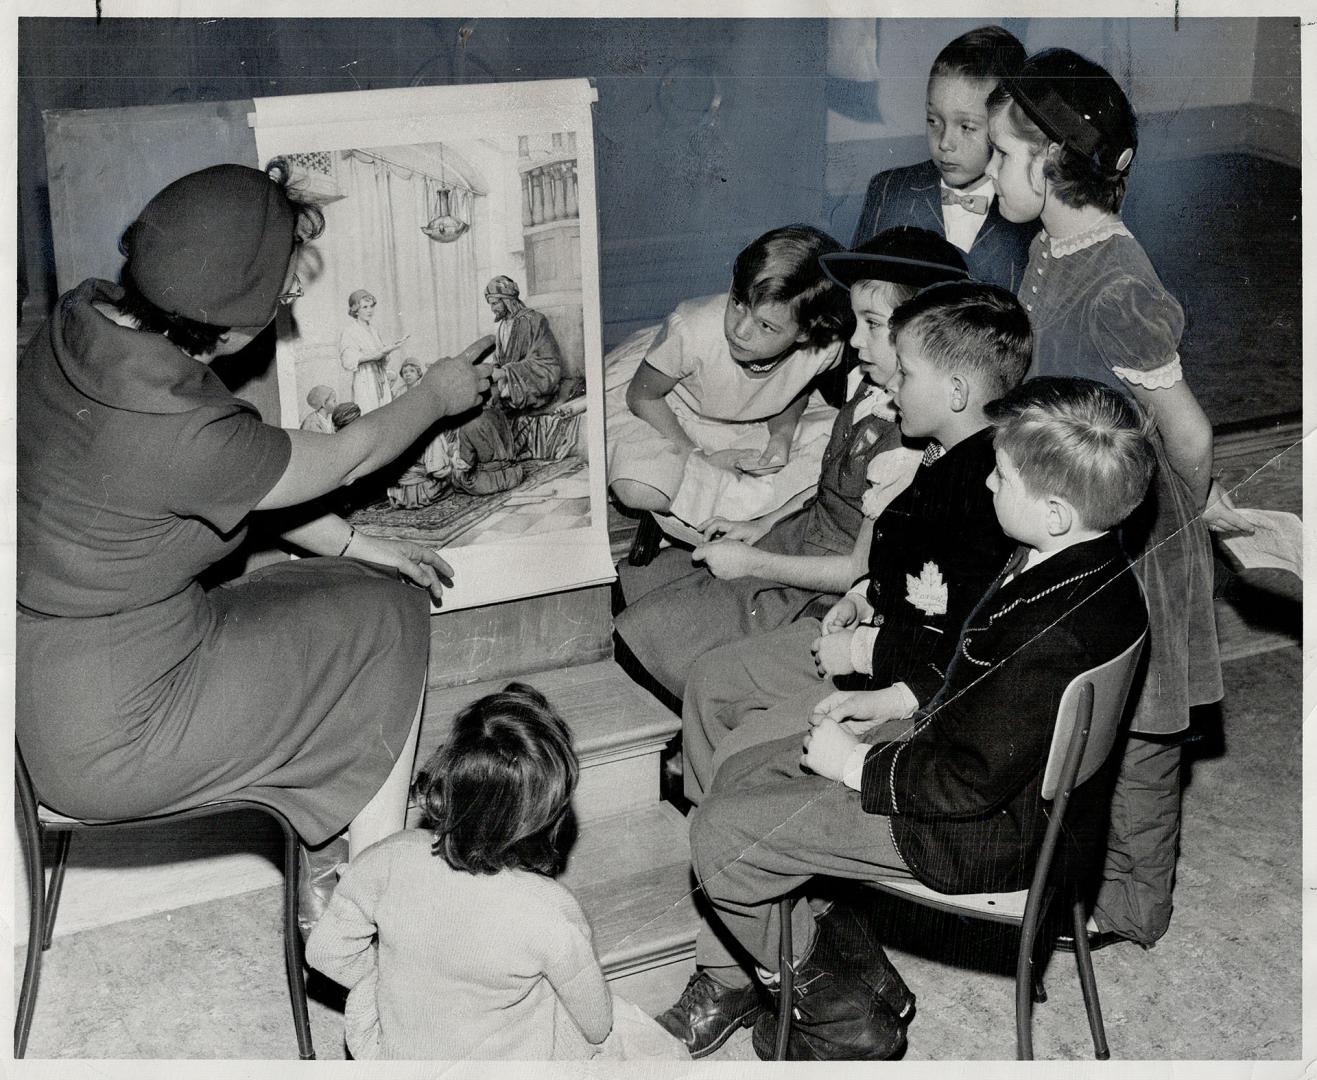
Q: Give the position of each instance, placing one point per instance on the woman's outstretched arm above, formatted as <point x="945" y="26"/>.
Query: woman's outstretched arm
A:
<point x="320" y="463"/>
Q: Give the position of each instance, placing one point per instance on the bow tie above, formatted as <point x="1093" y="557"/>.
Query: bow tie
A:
<point x="932" y="452"/>
<point x="975" y="204"/>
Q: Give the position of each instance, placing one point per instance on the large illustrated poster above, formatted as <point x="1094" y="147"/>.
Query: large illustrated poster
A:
<point x="460" y="222"/>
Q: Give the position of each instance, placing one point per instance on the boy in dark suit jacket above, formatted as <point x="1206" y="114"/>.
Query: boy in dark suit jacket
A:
<point x="952" y="797"/>
<point x="949" y="193"/>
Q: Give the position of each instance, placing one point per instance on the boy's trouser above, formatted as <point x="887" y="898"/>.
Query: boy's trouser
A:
<point x="763" y="687"/>
<point x="765" y="829"/>
<point x="1138" y="877"/>
<point x="672" y="625"/>
<point x="733" y="689"/>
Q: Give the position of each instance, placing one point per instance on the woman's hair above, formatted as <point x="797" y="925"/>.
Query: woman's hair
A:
<point x="410" y="363"/>
<point x="200" y="338"/>
<point x="308" y="218"/>
<point x="988" y="52"/>
<point x="970" y="326"/>
<point x="358" y="297"/>
<point x="782" y="267"/>
<point x="194" y="338"/>
<point x="1060" y="97"/>
<point x="1079" y="440"/>
<point x="498" y="793"/>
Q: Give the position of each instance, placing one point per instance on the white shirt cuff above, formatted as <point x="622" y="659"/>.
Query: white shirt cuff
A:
<point x="862" y="642"/>
<point x="908" y="699"/>
<point x="859" y="592"/>
<point x="853" y="776"/>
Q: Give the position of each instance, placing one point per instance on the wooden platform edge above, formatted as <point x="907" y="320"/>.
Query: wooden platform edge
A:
<point x="672" y="949"/>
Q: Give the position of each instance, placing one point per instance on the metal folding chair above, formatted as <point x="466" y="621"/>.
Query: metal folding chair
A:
<point x="1087" y="723"/>
<point x="37" y="821"/>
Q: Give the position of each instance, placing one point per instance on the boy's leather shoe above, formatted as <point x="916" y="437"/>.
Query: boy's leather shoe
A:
<point x="707" y="1013"/>
<point x="805" y="1046"/>
<point x="845" y="947"/>
<point x="1097" y="939"/>
<point x="839" y="1018"/>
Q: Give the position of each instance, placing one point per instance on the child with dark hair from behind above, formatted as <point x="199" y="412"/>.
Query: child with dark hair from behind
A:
<point x="949" y="194"/>
<point x="454" y="939"/>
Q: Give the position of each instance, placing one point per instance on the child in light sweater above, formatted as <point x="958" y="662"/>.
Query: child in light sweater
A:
<point x="454" y="940"/>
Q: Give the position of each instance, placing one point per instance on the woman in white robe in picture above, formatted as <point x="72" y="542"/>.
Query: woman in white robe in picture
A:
<point x="363" y="352"/>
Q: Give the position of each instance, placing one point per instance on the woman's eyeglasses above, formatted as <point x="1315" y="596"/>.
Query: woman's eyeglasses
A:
<point x="295" y="291"/>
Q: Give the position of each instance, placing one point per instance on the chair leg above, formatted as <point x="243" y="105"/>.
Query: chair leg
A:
<point x="646" y="543"/>
<point x="786" y="974"/>
<point x="1088" y="982"/>
<point x="293" y="961"/>
<point x="36" y="928"/>
<point x="1028" y="980"/>
<point x="1039" y="990"/>
<point x="56" y="887"/>
<point x="1024" y="982"/>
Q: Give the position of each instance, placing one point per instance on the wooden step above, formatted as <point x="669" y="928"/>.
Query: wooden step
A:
<point x="619" y="730"/>
<point x="631" y="872"/>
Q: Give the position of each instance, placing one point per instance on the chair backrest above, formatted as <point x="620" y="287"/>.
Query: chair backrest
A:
<point x="1111" y="686"/>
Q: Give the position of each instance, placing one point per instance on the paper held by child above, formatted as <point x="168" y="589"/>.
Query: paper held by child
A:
<point x="1277" y="542"/>
<point x="678" y="529"/>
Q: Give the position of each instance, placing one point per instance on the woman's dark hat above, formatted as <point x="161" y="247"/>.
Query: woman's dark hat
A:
<point x="905" y="255"/>
<point x="1077" y="104"/>
<point x="214" y="246"/>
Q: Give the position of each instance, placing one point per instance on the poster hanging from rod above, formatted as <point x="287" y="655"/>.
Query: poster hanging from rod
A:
<point x="459" y="222"/>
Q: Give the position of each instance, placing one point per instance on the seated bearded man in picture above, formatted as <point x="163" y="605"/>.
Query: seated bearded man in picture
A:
<point x="527" y="361"/>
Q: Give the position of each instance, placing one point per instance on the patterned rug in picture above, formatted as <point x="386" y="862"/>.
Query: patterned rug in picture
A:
<point x="456" y="512"/>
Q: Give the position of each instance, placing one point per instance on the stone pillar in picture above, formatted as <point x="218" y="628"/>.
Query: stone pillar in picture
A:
<point x="551" y="230"/>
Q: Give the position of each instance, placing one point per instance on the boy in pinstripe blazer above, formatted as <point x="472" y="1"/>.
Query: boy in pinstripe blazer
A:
<point x="949" y="194"/>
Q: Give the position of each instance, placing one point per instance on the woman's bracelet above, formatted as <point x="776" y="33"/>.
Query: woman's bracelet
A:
<point x="352" y="532"/>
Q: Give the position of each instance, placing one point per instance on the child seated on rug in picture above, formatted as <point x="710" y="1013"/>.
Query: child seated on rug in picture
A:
<point x="714" y="413"/>
<point x="322" y="400"/>
<point x="949" y="194"/>
<point x="931" y="553"/>
<point x="426" y="479"/>
<point x="485" y="459"/>
<point x="951" y="797"/>
<point x="750" y="577"/>
<point x="454" y="939"/>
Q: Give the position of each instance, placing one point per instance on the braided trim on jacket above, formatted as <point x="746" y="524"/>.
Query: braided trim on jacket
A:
<point x="965" y="639"/>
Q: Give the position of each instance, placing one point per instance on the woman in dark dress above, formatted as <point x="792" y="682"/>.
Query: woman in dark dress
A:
<point x="140" y="691"/>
